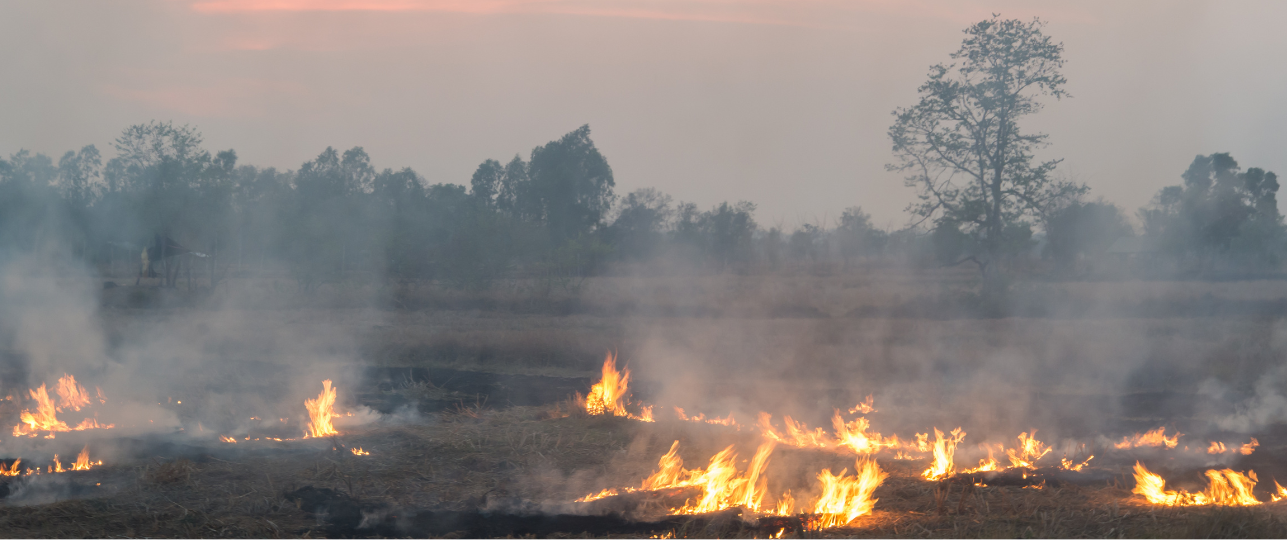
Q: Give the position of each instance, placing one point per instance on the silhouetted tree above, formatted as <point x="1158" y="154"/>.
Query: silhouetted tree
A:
<point x="961" y="145"/>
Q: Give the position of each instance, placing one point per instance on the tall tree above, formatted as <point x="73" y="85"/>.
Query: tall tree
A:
<point x="571" y="183"/>
<point x="961" y="145"/>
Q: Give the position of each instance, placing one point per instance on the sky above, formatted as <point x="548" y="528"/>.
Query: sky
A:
<point x="784" y="103"/>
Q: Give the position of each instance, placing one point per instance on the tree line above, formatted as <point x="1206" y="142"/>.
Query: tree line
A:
<point x="983" y="198"/>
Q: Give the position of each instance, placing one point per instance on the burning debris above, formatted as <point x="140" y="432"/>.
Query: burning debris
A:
<point x="611" y="394"/>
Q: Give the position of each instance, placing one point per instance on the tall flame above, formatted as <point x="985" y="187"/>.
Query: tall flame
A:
<point x="70" y="394"/>
<point x="608" y="395"/>
<point x="1225" y="488"/>
<point x="944" y="448"/>
<point x="320" y="412"/>
<point x="845" y="498"/>
<point x="44" y="419"/>
<point x="12" y="470"/>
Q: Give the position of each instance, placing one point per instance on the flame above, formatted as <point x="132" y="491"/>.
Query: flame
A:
<point x="866" y="407"/>
<point x="989" y="464"/>
<point x="1273" y="497"/>
<point x="785" y="506"/>
<point x="82" y="461"/>
<point x="1028" y="451"/>
<point x="722" y="486"/>
<point x="227" y="439"/>
<point x="1226" y="488"/>
<point x="359" y="451"/>
<point x="12" y="470"/>
<point x="854" y="435"/>
<point x="608" y="395"/>
<point x="944" y="448"/>
<point x="1250" y="447"/>
<point x="845" y="498"/>
<point x="797" y="434"/>
<point x="701" y="417"/>
<point x="1216" y="448"/>
<point x="1067" y="464"/>
<point x="70" y="394"/>
<point x="1155" y="437"/>
<point x="45" y="417"/>
<point x="320" y="412"/>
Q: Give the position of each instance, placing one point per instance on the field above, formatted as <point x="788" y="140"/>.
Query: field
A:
<point x="462" y="400"/>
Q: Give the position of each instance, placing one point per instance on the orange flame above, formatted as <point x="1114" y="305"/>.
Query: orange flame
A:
<point x="82" y="461"/>
<point x="1028" y="452"/>
<point x="320" y="412"/>
<point x="1250" y="447"/>
<point x="1216" y="448"/>
<point x="1225" y="488"/>
<point x="70" y="394"/>
<point x="854" y="435"/>
<point x="1067" y="464"/>
<point x="45" y="417"/>
<point x="1155" y="437"/>
<point x="12" y="470"/>
<point x="1273" y="497"/>
<point x="227" y="439"/>
<point x="866" y="407"/>
<point x="608" y="395"/>
<point x="845" y="498"/>
<point x="944" y="448"/>
<point x="359" y="452"/>
<point x="797" y="434"/>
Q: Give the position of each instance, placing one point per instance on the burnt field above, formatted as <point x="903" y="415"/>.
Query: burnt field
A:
<point x="493" y="414"/>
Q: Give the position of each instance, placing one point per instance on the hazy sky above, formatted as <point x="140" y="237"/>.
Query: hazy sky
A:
<point x="781" y="102"/>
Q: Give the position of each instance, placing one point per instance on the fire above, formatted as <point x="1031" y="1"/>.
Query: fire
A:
<point x="608" y="395"/>
<point x="359" y="452"/>
<point x="701" y="417"/>
<point x="82" y="461"/>
<point x="854" y="435"/>
<point x="845" y="498"/>
<point x="45" y="418"/>
<point x="1225" y="488"/>
<point x="866" y="407"/>
<point x="797" y="434"/>
<point x="944" y="448"/>
<point x="722" y="486"/>
<point x="1067" y="464"/>
<point x="70" y="394"/>
<point x="1273" y="497"/>
<point x="1028" y="452"/>
<point x="12" y="470"/>
<point x="989" y="464"/>
<point x="320" y="412"/>
<point x="227" y="439"/>
<point x="1250" y="447"/>
<point x="1155" y="437"/>
<point x="1216" y="448"/>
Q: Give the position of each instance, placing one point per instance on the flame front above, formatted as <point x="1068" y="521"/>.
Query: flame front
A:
<point x="359" y="452"/>
<point x="1155" y="437"/>
<point x="846" y="498"/>
<point x="1225" y="488"/>
<point x="321" y="411"/>
<point x="45" y="417"/>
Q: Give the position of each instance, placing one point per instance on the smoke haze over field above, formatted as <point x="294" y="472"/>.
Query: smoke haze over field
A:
<point x="785" y="104"/>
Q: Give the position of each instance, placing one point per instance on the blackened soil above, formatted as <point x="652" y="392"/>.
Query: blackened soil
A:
<point x="439" y="389"/>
